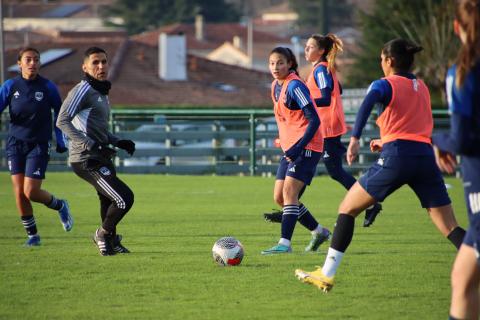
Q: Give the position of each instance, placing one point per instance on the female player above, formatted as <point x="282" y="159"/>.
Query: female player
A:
<point x="302" y="144"/>
<point x="325" y="89"/>
<point x="30" y="99"/>
<point x="406" y="157"/>
<point x="463" y="83"/>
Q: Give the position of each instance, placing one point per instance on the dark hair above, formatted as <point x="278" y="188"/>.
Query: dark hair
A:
<point x="288" y="54"/>
<point x="93" y="50"/>
<point x="467" y="13"/>
<point x="26" y="49"/>
<point x="402" y="53"/>
<point x="332" y="45"/>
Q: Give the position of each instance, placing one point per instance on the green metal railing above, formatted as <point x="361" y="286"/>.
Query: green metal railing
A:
<point x="255" y="155"/>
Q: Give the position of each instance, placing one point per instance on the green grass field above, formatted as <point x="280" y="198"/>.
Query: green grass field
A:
<point x="397" y="269"/>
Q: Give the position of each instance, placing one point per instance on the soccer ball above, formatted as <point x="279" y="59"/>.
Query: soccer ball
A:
<point x="227" y="251"/>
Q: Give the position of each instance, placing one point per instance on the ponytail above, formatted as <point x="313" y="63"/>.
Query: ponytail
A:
<point x="402" y="53"/>
<point x="332" y="45"/>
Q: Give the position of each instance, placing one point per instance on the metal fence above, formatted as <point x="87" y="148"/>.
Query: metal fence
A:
<point x="206" y="141"/>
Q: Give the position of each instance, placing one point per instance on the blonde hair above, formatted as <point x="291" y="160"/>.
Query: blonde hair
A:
<point x="332" y="45"/>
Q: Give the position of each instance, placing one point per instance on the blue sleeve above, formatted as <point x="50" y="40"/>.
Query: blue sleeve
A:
<point x="324" y="81"/>
<point x="462" y="138"/>
<point x="298" y="95"/>
<point x="56" y="103"/>
<point x="5" y="90"/>
<point x="380" y="91"/>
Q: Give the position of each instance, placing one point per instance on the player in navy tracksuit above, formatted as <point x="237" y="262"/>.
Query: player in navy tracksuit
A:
<point x="30" y="99"/>
<point x="463" y="92"/>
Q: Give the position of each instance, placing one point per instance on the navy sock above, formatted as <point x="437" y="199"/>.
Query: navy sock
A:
<point x="29" y="225"/>
<point x="343" y="233"/>
<point x="456" y="237"/>
<point x="289" y="219"/>
<point x="55" y="204"/>
<point x="306" y="218"/>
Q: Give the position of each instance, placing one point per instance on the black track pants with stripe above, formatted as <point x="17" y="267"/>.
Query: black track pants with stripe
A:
<point x="115" y="196"/>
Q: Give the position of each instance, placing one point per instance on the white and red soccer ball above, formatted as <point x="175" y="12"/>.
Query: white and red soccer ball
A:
<point x="227" y="251"/>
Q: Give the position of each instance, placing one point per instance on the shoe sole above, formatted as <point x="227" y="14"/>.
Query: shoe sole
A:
<point x="307" y="278"/>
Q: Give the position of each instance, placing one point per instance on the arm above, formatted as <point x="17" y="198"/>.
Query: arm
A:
<point x="56" y="103"/>
<point x="462" y="138"/>
<point x="69" y="109"/>
<point x="459" y="140"/>
<point x="324" y="82"/>
<point x="4" y="94"/>
<point x="377" y="93"/>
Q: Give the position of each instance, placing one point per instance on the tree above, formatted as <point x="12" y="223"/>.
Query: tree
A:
<point x="321" y="15"/>
<point x="426" y="22"/>
<point x="141" y="15"/>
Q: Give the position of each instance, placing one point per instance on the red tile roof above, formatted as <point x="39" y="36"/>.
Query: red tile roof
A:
<point x="137" y="82"/>
<point x="215" y="34"/>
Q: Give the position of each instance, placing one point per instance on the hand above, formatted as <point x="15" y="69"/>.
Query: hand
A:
<point x="445" y="160"/>
<point x="293" y="153"/>
<point x="103" y="150"/>
<point x="61" y="149"/>
<point x="127" y="145"/>
<point x="376" y="145"/>
<point x="352" y="151"/>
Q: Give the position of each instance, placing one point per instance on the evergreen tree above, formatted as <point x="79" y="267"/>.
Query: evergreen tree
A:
<point x="321" y="15"/>
<point x="426" y="22"/>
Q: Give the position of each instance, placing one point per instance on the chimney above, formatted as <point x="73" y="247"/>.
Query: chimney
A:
<point x="172" y="57"/>
<point x="199" y="28"/>
<point x="237" y="42"/>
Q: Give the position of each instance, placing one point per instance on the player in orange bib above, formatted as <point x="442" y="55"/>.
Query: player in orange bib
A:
<point x="406" y="157"/>
<point x="326" y="92"/>
<point x="302" y="143"/>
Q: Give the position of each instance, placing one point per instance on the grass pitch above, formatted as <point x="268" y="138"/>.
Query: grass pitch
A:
<point x="397" y="269"/>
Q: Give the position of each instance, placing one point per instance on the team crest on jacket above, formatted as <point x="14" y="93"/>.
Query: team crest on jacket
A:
<point x="105" y="171"/>
<point x="38" y="95"/>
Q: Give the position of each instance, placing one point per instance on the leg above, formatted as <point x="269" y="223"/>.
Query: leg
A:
<point x="34" y="192"/>
<point x="355" y="201"/>
<point x="465" y="284"/>
<point x="443" y="218"/>
<point x="278" y="192"/>
<point x="333" y="159"/>
<point x="25" y="210"/>
<point x="24" y="206"/>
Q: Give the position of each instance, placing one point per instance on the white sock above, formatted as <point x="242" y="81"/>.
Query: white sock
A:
<point x="317" y="230"/>
<point x="284" y="242"/>
<point x="371" y="207"/>
<point x="332" y="261"/>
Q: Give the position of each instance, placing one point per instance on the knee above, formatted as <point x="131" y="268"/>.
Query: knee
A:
<point x="128" y="198"/>
<point x="29" y="192"/>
